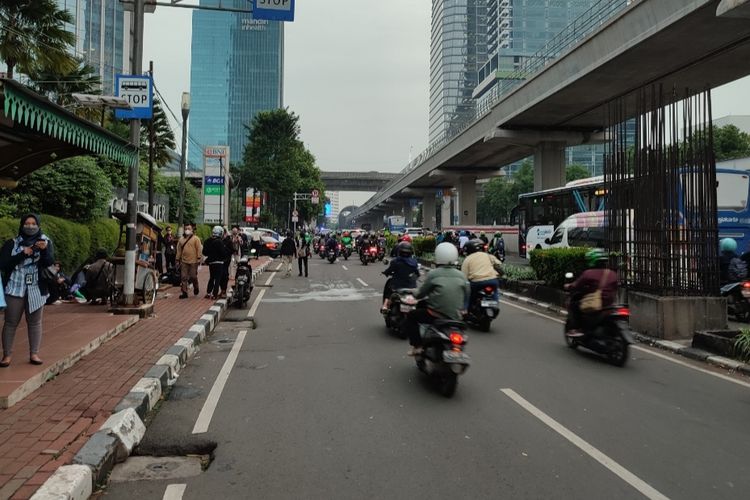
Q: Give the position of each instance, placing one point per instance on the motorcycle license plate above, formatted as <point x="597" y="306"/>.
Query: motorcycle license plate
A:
<point x="489" y="303"/>
<point x="745" y="293"/>
<point x="456" y="357"/>
<point x="405" y="308"/>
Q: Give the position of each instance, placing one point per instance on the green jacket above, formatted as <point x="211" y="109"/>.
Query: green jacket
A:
<point x="446" y="290"/>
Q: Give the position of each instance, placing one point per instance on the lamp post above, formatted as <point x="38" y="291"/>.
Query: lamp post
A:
<point x="183" y="160"/>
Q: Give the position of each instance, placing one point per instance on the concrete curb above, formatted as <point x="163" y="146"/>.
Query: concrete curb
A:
<point x="667" y="345"/>
<point x="125" y="428"/>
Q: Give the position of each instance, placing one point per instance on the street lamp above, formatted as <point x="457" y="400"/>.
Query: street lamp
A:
<point x="183" y="160"/>
<point x="101" y="101"/>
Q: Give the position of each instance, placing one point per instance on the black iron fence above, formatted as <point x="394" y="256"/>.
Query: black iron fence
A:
<point x="661" y="188"/>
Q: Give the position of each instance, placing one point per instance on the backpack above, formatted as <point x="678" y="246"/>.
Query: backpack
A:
<point x="737" y="269"/>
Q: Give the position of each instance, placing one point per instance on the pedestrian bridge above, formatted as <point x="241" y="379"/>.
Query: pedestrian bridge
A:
<point x="356" y="181"/>
<point x="559" y="98"/>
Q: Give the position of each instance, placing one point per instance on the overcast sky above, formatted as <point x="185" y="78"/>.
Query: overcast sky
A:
<point x="356" y="72"/>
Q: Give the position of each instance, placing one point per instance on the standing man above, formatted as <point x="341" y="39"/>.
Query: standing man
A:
<point x="189" y="252"/>
<point x="169" y="247"/>
<point x="288" y="251"/>
<point x="303" y="250"/>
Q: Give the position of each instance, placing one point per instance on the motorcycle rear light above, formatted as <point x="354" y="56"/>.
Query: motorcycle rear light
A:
<point x="489" y="289"/>
<point x="623" y="311"/>
<point x="270" y="245"/>
<point x="746" y="284"/>
<point x="456" y="338"/>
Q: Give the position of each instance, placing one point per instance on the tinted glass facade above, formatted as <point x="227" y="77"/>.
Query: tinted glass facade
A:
<point x="236" y="71"/>
<point x="458" y="48"/>
<point x="100" y="28"/>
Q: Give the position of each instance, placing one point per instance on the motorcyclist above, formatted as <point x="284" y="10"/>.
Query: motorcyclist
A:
<point x="497" y="245"/>
<point x="445" y="290"/>
<point x="332" y="244"/>
<point x="597" y="277"/>
<point x="403" y="272"/>
<point x="346" y="239"/>
<point x="404" y="238"/>
<point x="483" y="237"/>
<point x="480" y="268"/>
<point x="730" y="270"/>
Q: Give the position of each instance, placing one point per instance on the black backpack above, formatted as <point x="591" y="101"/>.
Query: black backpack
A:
<point x="737" y="269"/>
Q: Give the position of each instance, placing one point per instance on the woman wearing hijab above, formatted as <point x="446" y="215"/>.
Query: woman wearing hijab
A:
<point x="21" y="260"/>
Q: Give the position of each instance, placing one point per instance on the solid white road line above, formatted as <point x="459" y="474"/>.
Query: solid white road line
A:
<point x="207" y="412"/>
<point x="362" y="282"/>
<point x="174" y="492"/>
<point x="255" y="305"/>
<point x="647" y="490"/>
<point x="646" y="350"/>
<point x="345" y="268"/>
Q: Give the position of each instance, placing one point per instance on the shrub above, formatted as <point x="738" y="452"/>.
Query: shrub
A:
<point x="105" y="234"/>
<point x="518" y="273"/>
<point x="424" y="245"/>
<point x="72" y="242"/>
<point x="552" y="264"/>
<point x="203" y="231"/>
<point x="742" y="345"/>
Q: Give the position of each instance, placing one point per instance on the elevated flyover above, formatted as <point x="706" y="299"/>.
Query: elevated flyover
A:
<point x="681" y="44"/>
<point x="356" y="181"/>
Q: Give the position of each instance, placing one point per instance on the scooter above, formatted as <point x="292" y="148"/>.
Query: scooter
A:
<point x="368" y="255"/>
<point x="608" y="335"/>
<point x="346" y="251"/>
<point x="483" y="308"/>
<point x="738" y="299"/>
<point x="443" y="358"/>
<point x="331" y="255"/>
<point x="322" y="250"/>
<point x="402" y="303"/>
<point x="243" y="283"/>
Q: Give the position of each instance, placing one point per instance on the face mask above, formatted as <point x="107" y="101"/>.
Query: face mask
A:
<point x="188" y="232"/>
<point x="30" y="230"/>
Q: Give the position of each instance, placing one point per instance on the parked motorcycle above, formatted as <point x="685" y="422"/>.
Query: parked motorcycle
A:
<point x="483" y="308"/>
<point x="608" y="334"/>
<point x="443" y="358"/>
<point x="369" y="255"/>
<point x="738" y="299"/>
<point x="243" y="283"/>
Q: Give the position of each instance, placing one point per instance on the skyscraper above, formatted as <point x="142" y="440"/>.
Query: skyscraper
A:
<point x="101" y="28"/>
<point x="458" y="48"/>
<point x="236" y="71"/>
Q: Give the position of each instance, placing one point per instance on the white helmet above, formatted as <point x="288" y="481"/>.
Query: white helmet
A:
<point x="217" y="231"/>
<point x="446" y="254"/>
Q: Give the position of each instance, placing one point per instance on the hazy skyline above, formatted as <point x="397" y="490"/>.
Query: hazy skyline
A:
<point x="356" y="73"/>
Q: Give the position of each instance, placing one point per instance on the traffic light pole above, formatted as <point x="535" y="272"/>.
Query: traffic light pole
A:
<point x="136" y="59"/>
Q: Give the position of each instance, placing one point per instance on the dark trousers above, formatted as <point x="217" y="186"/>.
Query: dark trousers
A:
<point x="410" y="326"/>
<point x="387" y="291"/>
<point x="300" y="262"/>
<point x="478" y="285"/>
<point x="170" y="258"/>
<point x="216" y="271"/>
<point x="225" y="276"/>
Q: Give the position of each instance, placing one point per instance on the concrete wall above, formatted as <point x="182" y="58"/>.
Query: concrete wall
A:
<point x="672" y="318"/>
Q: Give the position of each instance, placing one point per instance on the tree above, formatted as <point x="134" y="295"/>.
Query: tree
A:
<point x="501" y="194"/>
<point x="75" y="189"/>
<point x="276" y="162"/>
<point x="171" y="187"/>
<point x="730" y="143"/>
<point x="574" y="172"/>
<point x="34" y="38"/>
<point x="163" y="137"/>
<point x="60" y="87"/>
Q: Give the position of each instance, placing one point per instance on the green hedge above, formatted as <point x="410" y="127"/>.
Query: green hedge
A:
<point x="425" y="245"/>
<point x="552" y="264"/>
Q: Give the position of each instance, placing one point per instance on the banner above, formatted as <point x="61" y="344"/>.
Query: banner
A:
<point x="215" y="184"/>
<point x="253" y="202"/>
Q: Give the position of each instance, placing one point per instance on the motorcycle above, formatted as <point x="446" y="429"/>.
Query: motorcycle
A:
<point x="443" y="358"/>
<point x="608" y="335"/>
<point x="499" y="254"/>
<point x="402" y="303"/>
<point x="738" y="299"/>
<point x="483" y="308"/>
<point x="243" y="283"/>
<point x="381" y="252"/>
<point x="331" y="255"/>
<point x="346" y="251"/>
<point x="369" y="255"/>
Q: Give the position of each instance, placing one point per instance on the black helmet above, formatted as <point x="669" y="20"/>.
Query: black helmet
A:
<point x="405" y="249"/>
<point x="472" y="246"/>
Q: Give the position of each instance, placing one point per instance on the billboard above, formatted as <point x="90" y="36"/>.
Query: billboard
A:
<point x="215" y="184"/>
<point x="252" y="206"/>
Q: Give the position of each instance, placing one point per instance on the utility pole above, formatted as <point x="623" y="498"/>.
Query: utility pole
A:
<point x="151" y="148"/>
<point x="183" y="160"/>
<point x="136" y="59"/>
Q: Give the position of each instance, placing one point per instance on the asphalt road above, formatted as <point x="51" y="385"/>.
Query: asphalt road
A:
<point x="322" y="402"/>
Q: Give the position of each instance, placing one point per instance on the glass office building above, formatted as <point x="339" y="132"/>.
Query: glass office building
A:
<point x="458" y="49"/>
<point x="236" y="71"/>
<point x="101" y="28"/>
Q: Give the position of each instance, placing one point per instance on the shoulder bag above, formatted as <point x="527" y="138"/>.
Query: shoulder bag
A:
<point x="592" y="302"/>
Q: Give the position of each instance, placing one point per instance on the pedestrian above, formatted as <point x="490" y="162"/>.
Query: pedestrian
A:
<point x="21" y="261"/>
<point x="303" y="250"/>
<point x="229" y="249"/>
<point x="214" y="252"/>
<point x="169" y="247"/>
<point x="189" y="252"/>
<point x="288" y="252"/>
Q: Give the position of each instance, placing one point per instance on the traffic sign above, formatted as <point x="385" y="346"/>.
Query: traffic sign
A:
<point x="315" y="193"/>
<point x="138" y="91"/>
<point x="295" y="213"/>
<point x="295" y="218"/>
<point x="273" y="10"/>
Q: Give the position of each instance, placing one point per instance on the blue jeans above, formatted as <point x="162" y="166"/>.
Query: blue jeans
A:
<point x="478" y="285"/>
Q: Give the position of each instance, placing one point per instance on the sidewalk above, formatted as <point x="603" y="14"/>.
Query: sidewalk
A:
<point x="46" y="429"/>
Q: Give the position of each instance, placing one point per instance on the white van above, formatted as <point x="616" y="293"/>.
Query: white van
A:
<point x="585" y="229"/>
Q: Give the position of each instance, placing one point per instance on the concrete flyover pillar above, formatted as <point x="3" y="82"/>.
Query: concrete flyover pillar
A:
<point x="549" y="165"/>
<point x="428" y="211"/>
<point x="467" y="200"/>
<point x="445" y="212"/>
<point x="407" y="212"/>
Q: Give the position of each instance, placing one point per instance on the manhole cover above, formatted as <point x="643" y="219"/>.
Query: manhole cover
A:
<point x="156" y="468"/>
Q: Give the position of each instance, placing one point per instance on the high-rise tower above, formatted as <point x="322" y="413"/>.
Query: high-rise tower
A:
<point x="236" y="71"/>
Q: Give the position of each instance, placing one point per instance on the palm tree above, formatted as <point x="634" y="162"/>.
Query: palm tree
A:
<point x="33" y="37"/>
<point x="163" y="137"/>
<point x="84" y="79"/>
